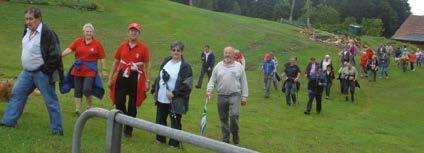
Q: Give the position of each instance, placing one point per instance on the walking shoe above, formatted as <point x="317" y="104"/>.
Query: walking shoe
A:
<point x="326" y="97"/>
<point x="198" y="87"/>
<point x="347" y="98"/>
<point x="5" y="125"/>
<point x="58" y="133"/>
<point x="306" y="113"/>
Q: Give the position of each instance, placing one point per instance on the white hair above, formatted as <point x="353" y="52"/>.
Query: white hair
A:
<point x="88" y="25"/>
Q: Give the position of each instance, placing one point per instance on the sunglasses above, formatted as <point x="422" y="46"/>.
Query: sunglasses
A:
<point x="176" y="50"/>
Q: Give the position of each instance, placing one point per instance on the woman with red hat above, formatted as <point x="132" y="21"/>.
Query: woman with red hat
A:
<point x="130" y="74"/>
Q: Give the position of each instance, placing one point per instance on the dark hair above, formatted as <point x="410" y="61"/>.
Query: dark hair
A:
<point x="312" y="58"/>
<point x="35" y="11"/>
<point x="178" y="44"/>
<point x="207" y="46"/>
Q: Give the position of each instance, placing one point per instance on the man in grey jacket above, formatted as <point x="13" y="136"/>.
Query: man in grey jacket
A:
<point x="229" y="78"/>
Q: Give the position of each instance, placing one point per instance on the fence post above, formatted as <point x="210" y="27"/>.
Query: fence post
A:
<point x="113" y="133"/>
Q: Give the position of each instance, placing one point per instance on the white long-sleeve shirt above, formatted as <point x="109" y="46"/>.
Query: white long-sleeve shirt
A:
<point x="228" y="79"/>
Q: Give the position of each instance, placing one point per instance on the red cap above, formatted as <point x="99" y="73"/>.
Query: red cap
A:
<point x="134" y="25"/>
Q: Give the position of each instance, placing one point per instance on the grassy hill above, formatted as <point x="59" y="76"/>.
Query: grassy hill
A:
<point x="385" y="118"/>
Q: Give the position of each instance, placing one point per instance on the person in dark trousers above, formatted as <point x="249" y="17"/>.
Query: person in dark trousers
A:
<point x="130" y="75"/>
<point x="348" y="77"/>
<point x="290" y="86"/>
<point x="384" y="62"/>
<point x="172" y="90"/>
<point x="42" y="67"/>
<point x="316" y="84"/>
<point x="372" y="67"/>
<point x="208" y="62"/>
<point x="329" y="77"/>
<point x="229" y="79"/>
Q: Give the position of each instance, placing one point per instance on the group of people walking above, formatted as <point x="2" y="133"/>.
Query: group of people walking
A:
<point x="128" y="79"/>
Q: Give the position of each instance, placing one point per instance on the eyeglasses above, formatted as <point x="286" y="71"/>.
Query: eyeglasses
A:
<point x="176" y="50"/>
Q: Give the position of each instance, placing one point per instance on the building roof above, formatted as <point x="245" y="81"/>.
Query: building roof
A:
<point x="411" y="30"/>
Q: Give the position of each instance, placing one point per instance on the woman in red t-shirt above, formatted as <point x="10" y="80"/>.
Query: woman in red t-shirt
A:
<point x="87" y="52"/>
<point x="412" y="59"/>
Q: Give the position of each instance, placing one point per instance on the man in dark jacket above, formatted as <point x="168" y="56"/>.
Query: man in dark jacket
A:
<point x="316" y="84"/>
<point x="208" y="62"/>
<point x="42" y="66"/>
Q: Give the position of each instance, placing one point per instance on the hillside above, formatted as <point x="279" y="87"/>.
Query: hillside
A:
<point x="385" y="117"/>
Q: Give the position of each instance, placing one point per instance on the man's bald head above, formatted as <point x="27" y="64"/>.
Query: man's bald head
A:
<point x="229" y="54"/>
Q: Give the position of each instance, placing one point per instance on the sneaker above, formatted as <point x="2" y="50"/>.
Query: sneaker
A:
<point x="306" y="113"/>
<point x="326" y="97"/>
<point x="58" y="133"/>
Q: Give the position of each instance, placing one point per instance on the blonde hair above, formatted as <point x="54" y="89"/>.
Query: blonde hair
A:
<point x="88" y="25"/>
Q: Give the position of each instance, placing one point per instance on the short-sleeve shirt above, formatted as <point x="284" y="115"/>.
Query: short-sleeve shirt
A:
<point x="292" y="71"/>
<point x="90" y="52"/>
<point x="139" y="53"/>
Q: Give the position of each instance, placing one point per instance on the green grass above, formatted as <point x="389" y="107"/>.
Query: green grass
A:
<point x="387" y="116"/>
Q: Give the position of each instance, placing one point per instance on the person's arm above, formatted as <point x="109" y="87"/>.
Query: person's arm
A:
<point x="147" y="67"/>
<point x="104" y="69"/>
<point x="212" y="82"/>
<point x="244" y="88"/>
<point x="67" y="51"/>
<point x="112" y="73"/>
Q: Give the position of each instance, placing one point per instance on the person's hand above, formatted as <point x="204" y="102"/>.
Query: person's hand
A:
<point x="296" y="79"/>
<point x="243" y="101"/>
<point x="209" y="69"/>
<point x="109" y="83"/>
<point x="209" y="94"/>
<point x="147" y="86"/>
<point x="170" y="95"/>
<point x="104" y="74"/>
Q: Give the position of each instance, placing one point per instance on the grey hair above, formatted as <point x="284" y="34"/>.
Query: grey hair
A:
<point x="35" y="11"/>
<point x="178" y="44"/>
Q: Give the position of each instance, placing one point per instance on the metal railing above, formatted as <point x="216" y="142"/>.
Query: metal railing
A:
<point x="115" y="120"/>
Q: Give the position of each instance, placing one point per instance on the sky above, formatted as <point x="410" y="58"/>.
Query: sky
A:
<point x="417" y="7"/>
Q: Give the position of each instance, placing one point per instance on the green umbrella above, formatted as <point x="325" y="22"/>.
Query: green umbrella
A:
<point x="204" y="116"/>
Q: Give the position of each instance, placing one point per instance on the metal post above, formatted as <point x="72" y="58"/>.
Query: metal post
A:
<point x="113" y="133"/>
<point x="180" y="135"/>
<point x="79" y="126"/>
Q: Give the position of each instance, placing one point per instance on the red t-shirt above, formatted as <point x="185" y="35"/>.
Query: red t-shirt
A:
<point x="139" y="53"/>
<point x="412" y="57"/>
<point x="88" y="53"/>
<point x="369" y="52"/>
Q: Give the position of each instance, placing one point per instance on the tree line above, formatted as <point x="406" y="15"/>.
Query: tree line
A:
<point x="378" y="17"/>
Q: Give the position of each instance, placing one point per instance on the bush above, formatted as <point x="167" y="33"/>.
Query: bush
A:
<point x="83" y="5"/>
<point x="31" y="1"/>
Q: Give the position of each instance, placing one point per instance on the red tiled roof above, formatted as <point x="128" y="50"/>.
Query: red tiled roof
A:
<point x="412" y="29"/>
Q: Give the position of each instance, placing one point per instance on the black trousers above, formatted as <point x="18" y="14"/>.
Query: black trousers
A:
<point x="314" y="95"/>
<point x="126" y="87"/>
<point x="162" y="112"/>
<point x="202" y="74"/>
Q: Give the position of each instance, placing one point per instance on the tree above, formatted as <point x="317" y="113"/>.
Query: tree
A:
<point x="292" y="10"/>
<point x="236" y="8"/>
<point x="281" y="9"/>
<point x="264" y="9"/>
<point x="372" y="27"/>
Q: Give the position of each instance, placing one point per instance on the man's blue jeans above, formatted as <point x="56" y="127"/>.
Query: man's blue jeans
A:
<point x="25" y="84"/>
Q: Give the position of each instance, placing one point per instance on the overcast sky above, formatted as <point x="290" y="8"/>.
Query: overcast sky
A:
<point x="417" y="7"/>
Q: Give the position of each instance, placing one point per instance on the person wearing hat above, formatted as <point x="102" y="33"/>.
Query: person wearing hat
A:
<point x="130" y="74"/>
<point x="83" y="75"/>
<point x="290" y="86"/>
